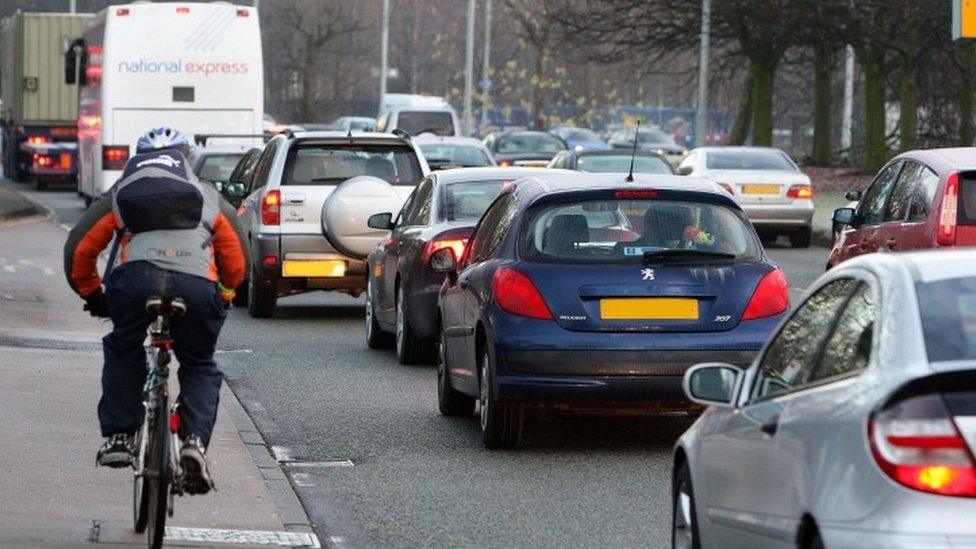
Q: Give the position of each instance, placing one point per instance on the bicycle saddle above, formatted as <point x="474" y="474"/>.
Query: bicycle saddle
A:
<point x="165" y="306"/>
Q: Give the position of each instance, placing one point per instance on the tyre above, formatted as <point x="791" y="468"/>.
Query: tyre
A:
<point x="768" y="238"/>
<point x="684" y="521"/>
<point x="450" y="401"/>
<point x="410" y="348"/>
<point x="501" y="421"/>
<point x="140" y="493"/>
<point x="376" y="338"/>
<point x="262" y="300"/>
<point x="816" y="542"/>
<point x="158" y="472"/>
<point x="240" y="296"/>
<point x="41" y="185"/>
<point x="801" y="238"/>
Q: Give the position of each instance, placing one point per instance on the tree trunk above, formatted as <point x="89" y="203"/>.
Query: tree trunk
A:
<point x="743" y="120"/>
<point x="876" y="150"/>
<point x="823" y="71"/>
<point x="538" y="91"/>
<point x="764" y="75"/>
<point x="966" y="101"/>
<point x="908" y="120"/>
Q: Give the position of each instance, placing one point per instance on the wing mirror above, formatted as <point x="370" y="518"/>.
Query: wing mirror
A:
<point x="853" y="196"/>
<point x="683" y="170"/>
<point x="844" y="216"/>
<point x="443" y="261"/>
<point x="713" y="383"/>
<point x="234" y="190"/>
<point x="382" y="221"/>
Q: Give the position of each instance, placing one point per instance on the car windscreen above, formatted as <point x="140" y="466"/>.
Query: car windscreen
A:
<point x="218" y="167"/>
<point x="332" y="163"/>
<point x="625" y="231"/>
<point x="467" y="200"/>
<point x="648" y="137"/>
<point x="580" y="134"/>
<point x="450" y="153"/>
<point x="948" y="314"/>
<point x="620" y="163"/>
<point x="529" y="143"/>
<point x="748" y="160"/>
<point x="418" y="122"/>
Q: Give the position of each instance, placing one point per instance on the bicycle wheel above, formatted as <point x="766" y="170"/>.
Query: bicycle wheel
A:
<point x="140" y="496"/>
<point x="158" y="473"/>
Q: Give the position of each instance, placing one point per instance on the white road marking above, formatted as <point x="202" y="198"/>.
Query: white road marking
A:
<point x="302" y="479"/>
<point x="24" y="261"/>
<point x="66" y="227"/>
<point x="10" y="268"/>
<point x="48" y="271"/>
<point x="281" y="453"/>
<point x="321" y="463"/>
<point x="232" y="351"/>
<point x="242" y="537"/>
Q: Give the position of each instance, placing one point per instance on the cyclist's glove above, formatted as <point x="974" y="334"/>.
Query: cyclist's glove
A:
<point x="95" y="305"/>
<point x="226" y="295"/>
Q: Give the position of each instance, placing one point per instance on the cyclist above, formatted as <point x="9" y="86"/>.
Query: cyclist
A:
<point x="175" y="236"/>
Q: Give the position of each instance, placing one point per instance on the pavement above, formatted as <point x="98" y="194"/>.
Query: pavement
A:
<point x="13" y="205"/>
<point x="54" y="496"/>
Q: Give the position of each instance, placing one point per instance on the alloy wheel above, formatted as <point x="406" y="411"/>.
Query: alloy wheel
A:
<point x="369" y="309"/>
<point x="400" y="320"/>
<point x="483" y="400"/>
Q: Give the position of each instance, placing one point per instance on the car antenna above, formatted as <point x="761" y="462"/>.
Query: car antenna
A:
<point x="633" y="154"/>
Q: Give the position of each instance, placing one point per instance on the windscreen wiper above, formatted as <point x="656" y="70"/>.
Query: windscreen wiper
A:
<point x="676" y="255"/>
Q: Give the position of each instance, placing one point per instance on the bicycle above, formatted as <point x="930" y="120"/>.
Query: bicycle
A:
<point x="156" y="467"/>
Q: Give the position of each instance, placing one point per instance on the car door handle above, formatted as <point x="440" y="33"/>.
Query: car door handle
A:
<point x="770" y="426"/>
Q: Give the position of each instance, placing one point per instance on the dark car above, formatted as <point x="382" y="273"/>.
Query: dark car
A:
<point x="612" y="161"/>
<point x="649" y="139"/>
<point x="401" y="291"/>
<point x="524" y="148"/>
<point x="586" y="291"/>
<point x="920" y="199"/>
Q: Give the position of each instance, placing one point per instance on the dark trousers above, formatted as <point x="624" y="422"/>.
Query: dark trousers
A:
<point x="194" y="337"/>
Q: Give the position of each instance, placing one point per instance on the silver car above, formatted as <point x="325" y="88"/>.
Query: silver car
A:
<point x="854" y="427"/>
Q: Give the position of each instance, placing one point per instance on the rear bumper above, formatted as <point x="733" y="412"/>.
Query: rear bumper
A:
<point x="298" y="247"/>
<point x="790" y="216"/>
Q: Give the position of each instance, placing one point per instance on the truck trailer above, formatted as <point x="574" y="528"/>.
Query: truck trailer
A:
<point x="40" y="111"/>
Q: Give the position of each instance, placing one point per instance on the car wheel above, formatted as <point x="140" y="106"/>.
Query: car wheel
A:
<point x="801" y="238"/>
<point x="240" y="296"/>
<point x="450" y="401"/>
<point x="41" y="185"/>
<point x="684" y="521"/>
<point x="501" y="422"/>
<point x="376" y="338"/>
<point x="768" y="238"/>
<point x="261" y="298"/>
<point x="410" y="348"/>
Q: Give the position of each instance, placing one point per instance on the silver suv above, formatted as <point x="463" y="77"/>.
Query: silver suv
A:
<point x="298" y="183"/>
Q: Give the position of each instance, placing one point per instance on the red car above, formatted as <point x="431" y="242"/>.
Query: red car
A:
<point x="920" y="199"/>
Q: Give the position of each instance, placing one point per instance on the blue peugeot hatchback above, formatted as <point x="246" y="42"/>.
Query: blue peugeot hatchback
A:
<point x="591" y="291"/>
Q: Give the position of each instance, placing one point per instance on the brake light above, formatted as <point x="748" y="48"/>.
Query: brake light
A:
<point x="504" y="163"/>
<point x="772" y="297"/>
<point x="243" y="13"/>
<point x="43" y="160"/>
<point x="121" y="12"/>
<point x="114" y="157"/>
<point x="271" y="208"/>
<point x="631" y="193"/>
<point x="946" y="234"/>
<point x="182" y="10"/>
<point x="803" y="192"/>
<point x="269" y="261"/>
<point x="456" y="244"/>
<point x="515" y="293"/>
<point x="917" y="444"/>
<point x="37" y="139"/>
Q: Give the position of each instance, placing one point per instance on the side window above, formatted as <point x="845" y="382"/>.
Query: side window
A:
<point x="871" y="209"/>
<point x="849" y="347"/>
<point x="924" y="195"/>
<point x="405" y="210"/>
<point x="419" y="212"/>
<point x="792" y="355"/>
<point x="491" y="228"/>
<point x="901" y="196"/>
<point x="263" y="168"/>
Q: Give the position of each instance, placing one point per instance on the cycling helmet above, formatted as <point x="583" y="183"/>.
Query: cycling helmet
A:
<point x="162" y="138"/>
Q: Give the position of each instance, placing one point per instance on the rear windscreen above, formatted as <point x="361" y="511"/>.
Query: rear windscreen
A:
<point x="460" y="155"/>
<point x="748" y="160"/>
<point x="418" y="122"/>
<point x="619" y="163"/>
<point x="331" y="164"/>
<point x="623" y="231"/>
<point x="218" y="167"/>
<point x="948" y="312"/>
<point x="467" y="200"/>
<point x="967" y="200"/>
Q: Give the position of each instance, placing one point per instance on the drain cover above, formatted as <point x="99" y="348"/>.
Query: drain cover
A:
<point x="241" y="537"/>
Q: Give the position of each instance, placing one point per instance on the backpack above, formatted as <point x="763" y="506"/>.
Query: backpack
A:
<point x="158" y="191"/>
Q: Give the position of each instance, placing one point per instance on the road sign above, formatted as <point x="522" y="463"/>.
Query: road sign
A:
<point x="963" y="19"/>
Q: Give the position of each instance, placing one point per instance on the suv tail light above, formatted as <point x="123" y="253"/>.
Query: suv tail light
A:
<point x="772" y="296"/>
<point x="455" y="240"/>
<point x="916" y="442"/>
<point x="946" y="234"/>
<point x="271" y="208"/>
<point x="515" y="293"/>
<point x="114" y="157"/>
<point x="803" y="192"/>
<point x="43" y="160"/>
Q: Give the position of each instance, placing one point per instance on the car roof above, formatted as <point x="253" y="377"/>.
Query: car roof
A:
<point x="567" y="180"/>
<point x="355" y="135"/>
<point x="426" y="138"/>
<point x="221" y="149"/>
<point x="738" y="148"/>
<point x="955" y="157"/>
<point x="617" y="152"/>
<point x="522" y="132"/>
<point x="922" y="266"/>
<point x="456" y="175"/>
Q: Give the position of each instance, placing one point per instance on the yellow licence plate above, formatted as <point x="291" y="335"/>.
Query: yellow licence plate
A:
<point x="760" y="189"/>
<point x="649" y="308"/>
<point x="313" y="268"/>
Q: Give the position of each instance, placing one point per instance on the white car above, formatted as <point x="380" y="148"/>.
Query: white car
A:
<point x="453" y="152"/>
<point x="775" y="194"/>
<point x="417" y="114"/>
<point x="307" y="207"/>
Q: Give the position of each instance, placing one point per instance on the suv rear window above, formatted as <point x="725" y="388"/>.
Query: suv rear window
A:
<point x="948" y="311"/>
<point x="333" y="163"/>
<point x="622" y="231"/>
<point x="418" y="122"/>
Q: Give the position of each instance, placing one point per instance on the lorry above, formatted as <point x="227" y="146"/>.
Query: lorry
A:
<point x="195" y="67"/>
<point x="40" y="111"/>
